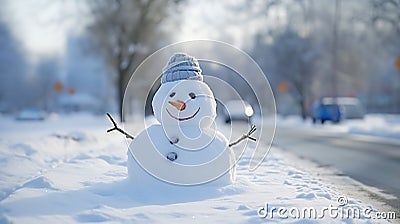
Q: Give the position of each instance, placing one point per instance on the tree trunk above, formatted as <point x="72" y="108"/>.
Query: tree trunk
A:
<point x="120" y="95"/>
<point x="124" y="75"/>
<point x="303" y="109"/>
<point x="301" y="98"/>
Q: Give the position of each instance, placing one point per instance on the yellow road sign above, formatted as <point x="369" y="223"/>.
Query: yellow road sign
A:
<point x="283" y="87"/>
<point x="397" y="63"/>
<point x="58" y="87"/>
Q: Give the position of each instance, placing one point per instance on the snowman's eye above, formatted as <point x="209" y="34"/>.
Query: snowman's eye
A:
<point x="172" y="94"/>
<point x="192" y="95"/>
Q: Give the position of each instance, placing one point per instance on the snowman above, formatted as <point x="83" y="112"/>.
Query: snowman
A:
<point x="185" y="147"/>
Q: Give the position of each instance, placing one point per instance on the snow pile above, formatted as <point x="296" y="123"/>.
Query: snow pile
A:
<point x="380" y="125"/>
<point x="47" y="179"/>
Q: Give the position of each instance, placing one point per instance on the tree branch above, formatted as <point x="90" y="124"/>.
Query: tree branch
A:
<point x="251" y="131"/>
<point x="116" y="128"/>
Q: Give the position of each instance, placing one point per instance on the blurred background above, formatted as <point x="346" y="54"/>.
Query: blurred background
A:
<point x="65" y="56"/>
<point x="327" y="61"/>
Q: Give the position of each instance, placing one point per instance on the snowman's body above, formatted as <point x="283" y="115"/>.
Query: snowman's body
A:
<point x="151" y="165"/>
<point x="186" y="109"/>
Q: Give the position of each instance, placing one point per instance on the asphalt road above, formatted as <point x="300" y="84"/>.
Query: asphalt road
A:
<point x="372" y="161"/>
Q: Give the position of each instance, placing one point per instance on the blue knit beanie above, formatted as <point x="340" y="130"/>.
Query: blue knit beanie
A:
<point x="181" y="67"/>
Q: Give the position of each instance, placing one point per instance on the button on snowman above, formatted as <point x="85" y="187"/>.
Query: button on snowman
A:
<point x="185" y="148"/>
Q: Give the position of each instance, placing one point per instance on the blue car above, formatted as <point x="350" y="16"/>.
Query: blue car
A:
<point x="326" y="109"/>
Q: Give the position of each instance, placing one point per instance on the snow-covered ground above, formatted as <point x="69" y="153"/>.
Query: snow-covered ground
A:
<point x="68" y="170"/>
<point x="379" y="125"/>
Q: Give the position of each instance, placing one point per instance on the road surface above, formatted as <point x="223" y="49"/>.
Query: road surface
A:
<point x="369" y="160"/>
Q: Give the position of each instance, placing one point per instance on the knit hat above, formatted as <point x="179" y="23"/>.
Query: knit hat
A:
<point x="181" y="67"/>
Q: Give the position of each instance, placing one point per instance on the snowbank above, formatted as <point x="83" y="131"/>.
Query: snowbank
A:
<point x="379" y="125"/>
<point x="68" y="170"/>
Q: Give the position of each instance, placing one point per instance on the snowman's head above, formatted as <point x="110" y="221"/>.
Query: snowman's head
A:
<point x="185" y="103"/>
<point x="183" y="98"/>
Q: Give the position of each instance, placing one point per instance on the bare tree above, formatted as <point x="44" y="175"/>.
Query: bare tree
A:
<point x="13" y="71"/>
<point x="291" y="56"/>
<point x="127" y="31"/>
<point x="46" y="73"/>
<point x="295" y="57"/>
<point x="298" y="48"/>
<point x="385" y="19"/>
<point x="387" y="11"/>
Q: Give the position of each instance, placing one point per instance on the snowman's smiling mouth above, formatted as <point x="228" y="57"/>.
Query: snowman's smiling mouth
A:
<point x="183" y="118"/>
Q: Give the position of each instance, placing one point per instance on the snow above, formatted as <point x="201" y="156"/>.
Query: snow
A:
<point x="67" y="169"/>
<point x="374" y="125"/>
<point x="79" y="101"/>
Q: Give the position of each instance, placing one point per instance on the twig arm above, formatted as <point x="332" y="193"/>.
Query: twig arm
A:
<point x="251" y="131"/>
<point x="116" y="128"/>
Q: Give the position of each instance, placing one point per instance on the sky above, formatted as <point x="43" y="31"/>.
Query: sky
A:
<point x="226" y="21"/>
<point x="42" y="26"/>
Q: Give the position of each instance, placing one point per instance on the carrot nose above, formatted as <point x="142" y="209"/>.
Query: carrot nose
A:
<point x="179" y="105"/>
